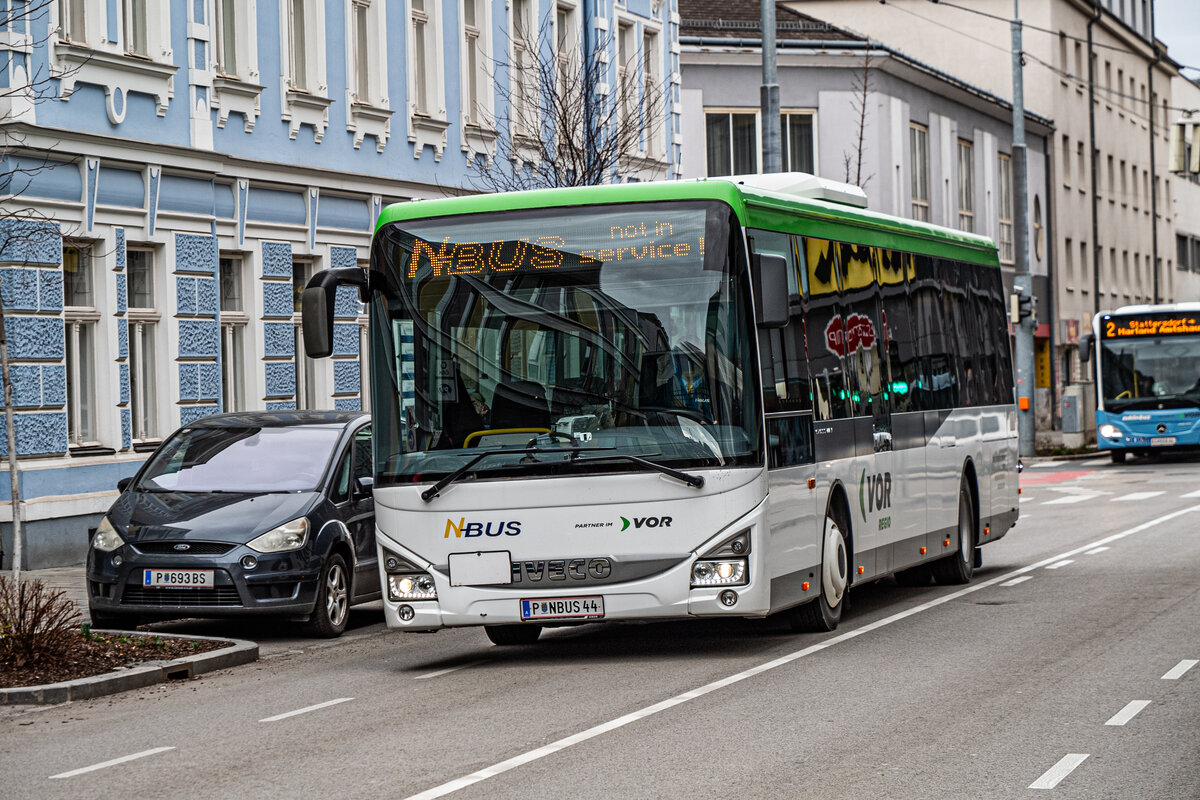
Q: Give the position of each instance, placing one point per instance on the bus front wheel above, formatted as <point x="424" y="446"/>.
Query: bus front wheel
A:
<point x="505" y="635"/>
<point x="825" y="612"/>
<point x="1118" y="456"/>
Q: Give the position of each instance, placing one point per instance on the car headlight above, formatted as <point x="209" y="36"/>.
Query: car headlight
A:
<point x="723" y="572"/>
<point x="1110" y="431"/>
<point x="106" y="538"/>
<point x="288" y="536"/>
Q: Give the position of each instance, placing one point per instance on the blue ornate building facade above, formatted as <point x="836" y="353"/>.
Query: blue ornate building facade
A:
<point x="172" y="172"/>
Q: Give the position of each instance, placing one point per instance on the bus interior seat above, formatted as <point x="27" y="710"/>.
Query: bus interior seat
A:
<point x="520" y="404"/>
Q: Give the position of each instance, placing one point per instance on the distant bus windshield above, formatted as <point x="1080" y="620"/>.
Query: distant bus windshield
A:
<point x="620" y="329"/>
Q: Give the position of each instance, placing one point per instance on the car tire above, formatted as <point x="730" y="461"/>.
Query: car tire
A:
<point x="508" y="635"/>
<point x="332" y="610"/>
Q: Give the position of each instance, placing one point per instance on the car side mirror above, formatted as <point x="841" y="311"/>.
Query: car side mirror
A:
<point x="770" y="290"/>
<point x="123" y="484"/>
<point x="365" y="486"/>
<point x="1086" y="342"/>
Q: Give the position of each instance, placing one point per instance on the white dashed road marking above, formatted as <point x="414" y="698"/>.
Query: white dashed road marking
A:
<point x="1015" y="581"/>
<point x="111" y="763"/>
<point x="448" y="670"/>
<point x="1191" y="495"/>
<point x="1128" y="498"/>
<point x="299" y="711"/>
<point x="1065" y="766"/>
<point x="1131" y="710"/>
<point x="1095" y="550"/>
<point x="1179" y="669"/>
<point x="1061" y="564"/>
<point x="1070" y="498"/>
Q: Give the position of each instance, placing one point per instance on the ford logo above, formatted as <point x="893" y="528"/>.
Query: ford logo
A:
<point x="183" y="547"/>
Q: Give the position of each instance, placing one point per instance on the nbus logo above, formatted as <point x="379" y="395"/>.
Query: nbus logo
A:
<point x="470" y="530"/>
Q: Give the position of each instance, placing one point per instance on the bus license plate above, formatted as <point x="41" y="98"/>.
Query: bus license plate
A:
<point x="1161" y="441"/>
<point x="563" y="608"/>
<point x="193" y="578"/>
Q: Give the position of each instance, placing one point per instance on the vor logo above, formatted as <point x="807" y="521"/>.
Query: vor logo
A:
<point x="645" y="522"/>
<point x="874" y="492"/>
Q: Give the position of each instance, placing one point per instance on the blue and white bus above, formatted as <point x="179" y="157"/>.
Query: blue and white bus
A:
<point x="1147" y="378"/>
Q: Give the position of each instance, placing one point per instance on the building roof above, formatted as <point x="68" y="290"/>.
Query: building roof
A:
<point x="741" y="20"/>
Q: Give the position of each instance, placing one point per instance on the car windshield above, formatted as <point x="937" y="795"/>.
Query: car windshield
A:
<point x="1151" y="372"/>
<point x="237" y="459"/>
<point x="622" y="328"/>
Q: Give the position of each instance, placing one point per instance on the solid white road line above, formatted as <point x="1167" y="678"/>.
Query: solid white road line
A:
<point x="1095" y="550"/>
<point x="1025" y="499"/>
<point x="1131" y="710"/>
<point x="1044" y="464"/>
<point x="112" y="763"/>
<point x="1015" y="581"/>
<point x="1191" y="495"/>
<point x="1179" y="669"/>
<point x="317" y="707"/>
<point x="1070" y="498"/>
<point x="448" y="670"/>
<point x="1065" y="766"/>
<point x="620" y="722"/>
<point x="1136" y="496"/>
<point x="1061" y="564"/>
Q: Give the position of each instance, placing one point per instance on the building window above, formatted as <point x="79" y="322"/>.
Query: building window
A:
<point x="136" y="40"/>
<point x="143" y="333"/>
<point x="966" y="186"/>
<point x="71" y="21"/>
<point x="732" y="143"/>
<point x="475" y="53"/>
<point x="627" y="69"/>
<point x="233" y="333"/>
<point x="81" y="318"/>
<point x="302" y="270"/>
<point x="524" y="69"/>
<point x="651" y="80"/>
<point x="226" y="32"/>
<point x="1006" y="209"/>
<point x="798" y="145"/>
<point x="918" y="152"/>
<point x="423" y="64"/>
<point x="297" y="45"/>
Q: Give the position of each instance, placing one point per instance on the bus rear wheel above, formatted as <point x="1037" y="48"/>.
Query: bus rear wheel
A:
<point x="1118" y="456"/>
<point x="825" y="612"/>
<point x="506" y="635"/>
<point x="960" y="566"/>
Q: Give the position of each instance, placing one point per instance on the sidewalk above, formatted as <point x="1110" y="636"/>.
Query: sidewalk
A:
<point x="72" y="580"/>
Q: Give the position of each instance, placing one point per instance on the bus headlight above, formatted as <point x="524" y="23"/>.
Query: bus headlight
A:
<point x="1109" y="431"/>
<point x="724" y="572"/>
<point x="412" y="587"/>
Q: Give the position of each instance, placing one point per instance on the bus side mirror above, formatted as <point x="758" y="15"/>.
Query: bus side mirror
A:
<point x="1086" y="342"/>
<point x="769" y="272"/>
<point x="317" y="305"/>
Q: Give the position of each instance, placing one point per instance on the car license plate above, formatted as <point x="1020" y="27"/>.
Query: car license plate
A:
<point x="1161" y="441"/>
<point x="563" y="608"/>
<point x="178" y="577"/>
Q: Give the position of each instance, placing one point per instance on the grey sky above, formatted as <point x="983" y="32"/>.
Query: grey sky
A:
<point x="1177" y="22"/>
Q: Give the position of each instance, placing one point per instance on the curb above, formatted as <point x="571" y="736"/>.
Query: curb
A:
<point x="141" y="676"/>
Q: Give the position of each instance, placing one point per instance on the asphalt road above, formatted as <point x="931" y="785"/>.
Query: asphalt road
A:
<point x="1066" y="667"/>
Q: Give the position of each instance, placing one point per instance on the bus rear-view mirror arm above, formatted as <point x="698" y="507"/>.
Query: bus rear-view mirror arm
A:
<point x="769" y="273"/>
<point x="318" y="302"/>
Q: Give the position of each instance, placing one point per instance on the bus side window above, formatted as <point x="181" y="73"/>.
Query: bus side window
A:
<point x="823" y="321"/>
<point x="934" y="386"/>
<point x="899" y="333"/>
<point x="782" y="352"/>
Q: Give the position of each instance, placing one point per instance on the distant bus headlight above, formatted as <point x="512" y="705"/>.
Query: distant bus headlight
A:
<point x="411" y="587"/>
<point x="1110" y="431"/>
<point x="724" y="572"/>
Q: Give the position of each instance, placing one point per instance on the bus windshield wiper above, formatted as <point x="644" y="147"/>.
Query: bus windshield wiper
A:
<point x="529" y="458"/>
<point x="686" y="477"/>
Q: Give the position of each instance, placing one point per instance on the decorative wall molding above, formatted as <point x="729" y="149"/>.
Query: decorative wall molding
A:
<point x="424" y="131"/>
<point x="118" y="74"/>
<point x="305" y="108"/>
<point x="367" y="120"/>
<point x="231" y="95"/>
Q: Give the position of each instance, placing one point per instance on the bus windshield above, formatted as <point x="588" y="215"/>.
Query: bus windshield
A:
<point x="623" y="329"/>
<point x="1151" y="372"/>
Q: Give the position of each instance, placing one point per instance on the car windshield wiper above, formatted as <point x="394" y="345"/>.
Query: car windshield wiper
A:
<point x="686" y="477"/>
<point x="529" y="458"/>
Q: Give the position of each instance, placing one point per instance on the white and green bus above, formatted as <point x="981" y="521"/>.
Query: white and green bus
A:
<point x="719" y="398"/>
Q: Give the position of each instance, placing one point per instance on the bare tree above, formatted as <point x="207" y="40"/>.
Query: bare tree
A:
<point x="24" y="230"/>
<point x="558" y="125"/>
<point x="853" y="158"/>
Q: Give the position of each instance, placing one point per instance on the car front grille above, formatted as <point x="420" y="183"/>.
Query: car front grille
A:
<point x="180" y="598"/>
<point x="193" y="549"/>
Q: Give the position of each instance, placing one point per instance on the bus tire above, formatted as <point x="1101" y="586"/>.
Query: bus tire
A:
<point x="958" y="567"/>
<point x="1118" y="456"/>
<point x="825" y="612"/>
<point x="508" y="635"/>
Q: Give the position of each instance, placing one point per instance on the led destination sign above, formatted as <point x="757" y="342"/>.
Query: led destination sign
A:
<point x="1160" y="325"/>
<point x="586" y="241"/>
